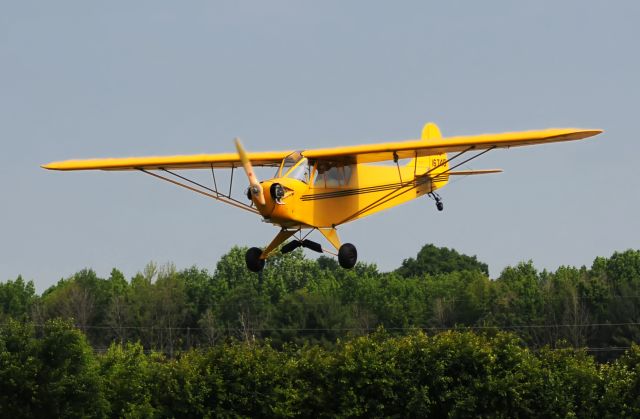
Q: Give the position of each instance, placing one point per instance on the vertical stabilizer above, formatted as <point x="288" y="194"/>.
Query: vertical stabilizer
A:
<point x="433" y="164"/>
<point x="430" y="131"/>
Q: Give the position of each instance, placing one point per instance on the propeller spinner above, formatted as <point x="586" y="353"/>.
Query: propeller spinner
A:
<point x="254" y="184"/>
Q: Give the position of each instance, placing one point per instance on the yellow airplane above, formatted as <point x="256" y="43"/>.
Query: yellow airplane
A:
<point x="321" y="189"/>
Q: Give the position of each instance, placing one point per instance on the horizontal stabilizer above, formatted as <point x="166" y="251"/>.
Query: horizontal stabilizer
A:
<point x="473" y="172"/>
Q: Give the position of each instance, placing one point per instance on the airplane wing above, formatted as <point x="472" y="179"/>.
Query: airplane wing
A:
<point x="195" y="161"/>
<point x="368" y="153"/>
<point x="417" y="148"/>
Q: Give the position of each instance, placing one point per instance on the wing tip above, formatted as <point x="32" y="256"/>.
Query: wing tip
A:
<point x="586" y="133"/>
<point x="569" y="134"/>
<point x="49" y="166"/>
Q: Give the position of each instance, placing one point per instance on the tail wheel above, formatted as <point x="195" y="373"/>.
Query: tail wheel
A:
<point x="347" y="256"/>
<point x="252" y="258"/>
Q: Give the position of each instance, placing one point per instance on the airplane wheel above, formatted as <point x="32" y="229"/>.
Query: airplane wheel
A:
<point x="347" y="256"/>
<point x="439" y="205"/>
<point x="252" y="258"/>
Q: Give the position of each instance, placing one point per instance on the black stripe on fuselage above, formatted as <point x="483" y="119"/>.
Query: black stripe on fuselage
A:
<point x="370" y="189"/>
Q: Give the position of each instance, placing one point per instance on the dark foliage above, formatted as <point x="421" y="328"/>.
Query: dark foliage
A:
<point x="301" y="340"/>
<point x="432" y="260"/>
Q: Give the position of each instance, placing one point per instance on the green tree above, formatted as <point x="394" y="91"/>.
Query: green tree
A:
<point x="621" y="272"/>
<point x="366" y="377"/>
<point x="517" y="300"/>
<point x="19" y="368"/>
<point x="16" y="299"/>
<point x="84" y="298"/>
<point x="313" y="318"/>
<point x="245" y="312"/>
<point x="622" y="386"/>
<point x="249" y="380"/>
<point x="69" y="384"/>
<point x="53" y="375"/>
<point x="567" y="384"/>
<point x="231" y="271"/>
<point x="127" y="376"/>
<point x="179" y="385"/>
<point x="434" y="260"/>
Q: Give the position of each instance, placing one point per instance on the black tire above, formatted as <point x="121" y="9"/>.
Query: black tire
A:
<point x="347" y="256"/>
<point x="440" y="206"/>
<point x="252" y="258"/>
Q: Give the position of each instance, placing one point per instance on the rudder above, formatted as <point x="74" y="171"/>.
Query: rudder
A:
<point x="436" y="163"/>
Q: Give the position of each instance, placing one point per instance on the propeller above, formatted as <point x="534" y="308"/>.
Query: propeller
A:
<point x="254" y="184"/>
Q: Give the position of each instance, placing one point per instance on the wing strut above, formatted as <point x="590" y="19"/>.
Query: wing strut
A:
<point x="201" y="189"/>
<point x="413" y="184"/>
<point x="215" y="185"/>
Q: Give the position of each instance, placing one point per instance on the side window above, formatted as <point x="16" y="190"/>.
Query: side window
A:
<point x="328" y="176"/>
<point x="333" y="177"/>
<point x="314" y="174"/>
<point x="347" y="174"/>
<point x="319" y="178"/>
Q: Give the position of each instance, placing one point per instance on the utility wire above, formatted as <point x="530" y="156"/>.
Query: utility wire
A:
<point x="349" y="329"/>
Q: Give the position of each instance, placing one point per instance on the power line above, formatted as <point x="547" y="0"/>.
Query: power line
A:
<point x="372" y="305"/>
<point x="348" y="329"/>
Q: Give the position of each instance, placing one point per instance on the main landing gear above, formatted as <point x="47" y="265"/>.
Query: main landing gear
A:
<point x="347" y="256"/>
<point x="347" y="253"/>
<point x="252" y="258"/>
<point x="438" y="200"/>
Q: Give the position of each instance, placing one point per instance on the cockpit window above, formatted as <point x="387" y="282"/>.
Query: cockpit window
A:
<point x="301" y="171"/>
<point x="330" y="176"/>
<point x="288" y="163"/>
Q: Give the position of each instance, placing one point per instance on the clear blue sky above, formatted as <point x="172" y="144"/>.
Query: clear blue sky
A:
<point x="98" y="79"/>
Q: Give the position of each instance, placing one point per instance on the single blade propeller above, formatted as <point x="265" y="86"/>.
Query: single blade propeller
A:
<point x="254" y="184"/>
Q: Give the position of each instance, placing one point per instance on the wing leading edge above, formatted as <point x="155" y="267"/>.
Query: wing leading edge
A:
<point x="195" y="161"/>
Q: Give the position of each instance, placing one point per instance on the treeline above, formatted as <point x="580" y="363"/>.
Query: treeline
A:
<point x="303" y="301"/>
<point x="307" y="338"/>
<point x="50" y="370"/>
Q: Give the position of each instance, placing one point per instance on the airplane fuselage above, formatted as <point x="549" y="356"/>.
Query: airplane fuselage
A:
<point x="326" y="198"/>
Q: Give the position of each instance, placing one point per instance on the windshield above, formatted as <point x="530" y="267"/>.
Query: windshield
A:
<point x="288" y="163"/>
<point x="300" y="172"/>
